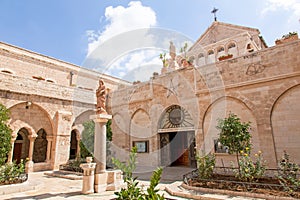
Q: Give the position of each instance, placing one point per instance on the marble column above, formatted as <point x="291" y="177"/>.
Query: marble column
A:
<point x="100" y="151"/>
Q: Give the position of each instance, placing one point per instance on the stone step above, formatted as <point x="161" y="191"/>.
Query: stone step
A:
<point x="65" y="174"/>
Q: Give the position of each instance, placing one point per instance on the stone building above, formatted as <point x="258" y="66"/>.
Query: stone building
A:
<point x="169" y="118"/>
<point x="174" y="115"/>
<point x="48" y="100"/>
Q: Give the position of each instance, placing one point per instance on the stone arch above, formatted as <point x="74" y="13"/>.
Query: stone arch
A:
<point x="40" y="147"/>
<point x="83" y="117"/>
<point x="21" y="145"/>
<point x="184" y="120"/>
<point x="220" y="51"/>
<point x="201" y="59"/>
<point x="32" y="116"/>
<point x="176" y="137"/>
<point x="211" y="58"/>
<point x="121" y="139"/>
<point x="220" y="109"/>
<point x="232" y="48"/>
<point x="140" y="124"/>
<point x="285" y="120"/>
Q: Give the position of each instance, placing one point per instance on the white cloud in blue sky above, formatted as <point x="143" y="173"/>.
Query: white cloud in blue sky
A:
<point x="121" y="19"/>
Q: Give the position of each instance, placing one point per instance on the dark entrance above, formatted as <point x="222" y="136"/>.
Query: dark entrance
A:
<point x="21" y="146"/>
<point x="73" y="145"/>
<point x="178" y="148"/>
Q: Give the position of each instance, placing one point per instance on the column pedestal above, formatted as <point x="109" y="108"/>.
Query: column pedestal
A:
<point x="88" y="176"/>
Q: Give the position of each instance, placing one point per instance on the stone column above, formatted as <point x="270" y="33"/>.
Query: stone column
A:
<point x="29" y="164"/>
<point x="49" y="145"/>
<point x="11" y="152"/>
<point x="78" y="145"/>
<point x="88" y="176"/>
<point x="100" y="151"/>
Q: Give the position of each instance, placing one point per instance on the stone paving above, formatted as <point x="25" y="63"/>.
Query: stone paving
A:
<point x="42" y="186"/>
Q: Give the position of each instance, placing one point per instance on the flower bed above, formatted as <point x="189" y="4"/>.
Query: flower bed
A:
<point x="221" y="182"/>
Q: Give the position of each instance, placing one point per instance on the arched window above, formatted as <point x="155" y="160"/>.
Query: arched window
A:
<point x="210" y="52"/>
<point x="231" y="45"/>
<point x="249" y="47"/>
<point x="40" y="147"/>
<point x="201" y="55"/>
<point x="220" y="49"/>
<point x="201" y="59"/>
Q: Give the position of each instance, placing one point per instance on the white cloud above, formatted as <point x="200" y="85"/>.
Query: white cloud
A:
<point x="288" y="5"/>
<point x="130" y="45"/>
<point x="121" y="19"/>
<point x="137" y="65"/>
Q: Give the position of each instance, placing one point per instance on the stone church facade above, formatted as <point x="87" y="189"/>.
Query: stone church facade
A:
<point x="173" y="116"/>
<point x="48" y="100"/>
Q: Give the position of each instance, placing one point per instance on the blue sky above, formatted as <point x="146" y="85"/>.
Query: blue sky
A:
<point x="69" y="30"/>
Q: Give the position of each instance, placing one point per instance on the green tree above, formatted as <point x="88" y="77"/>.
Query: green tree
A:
<point x="5" y="134"/>
<point x="87" y="139"/>
<point x="235" y="134"/>
<point x="108" y="131"/>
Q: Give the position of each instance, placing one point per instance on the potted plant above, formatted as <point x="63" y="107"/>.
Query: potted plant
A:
<point x="291" y="36"/>
<point x="224" y="57"/>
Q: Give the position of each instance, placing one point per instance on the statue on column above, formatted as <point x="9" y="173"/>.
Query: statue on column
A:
<point x="172" y="53"/>
<point x="101" y="98"/>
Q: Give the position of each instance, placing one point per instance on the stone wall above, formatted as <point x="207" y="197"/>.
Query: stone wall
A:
<point x="260" y="87"/>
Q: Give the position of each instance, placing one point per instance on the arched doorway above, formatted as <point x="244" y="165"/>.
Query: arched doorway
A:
<point x="73" y="145"/>
<point x="177" y="138"/>
<point x="40" y="147"/>
<point x="21" y="146"/>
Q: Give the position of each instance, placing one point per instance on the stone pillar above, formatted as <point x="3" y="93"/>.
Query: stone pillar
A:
<point x="88" y="176"/>
<point x="49" y="145"/>
<point x="78" y="145"/>
<point x="29" y="164"/>
<point x="11" y="152"/>
<point x="100" y="151"/>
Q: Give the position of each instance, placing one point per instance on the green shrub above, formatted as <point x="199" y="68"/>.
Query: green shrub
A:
<point x="206" y="165"/>
<point x="5" y="134"/>
<point x="10" y="172"/>
<point x="250" y="170"/>
<point x="288" y="174"/>
<point x="132" y="190"/>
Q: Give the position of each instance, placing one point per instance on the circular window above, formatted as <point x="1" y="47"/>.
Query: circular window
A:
<point x="176" y="116"/>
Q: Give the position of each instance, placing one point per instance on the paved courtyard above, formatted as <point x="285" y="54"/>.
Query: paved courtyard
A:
<point x="41" y="186"/>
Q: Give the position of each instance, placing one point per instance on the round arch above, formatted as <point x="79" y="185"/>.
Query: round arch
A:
<point x="220" y="109"/>
<point x="285" y="120"/>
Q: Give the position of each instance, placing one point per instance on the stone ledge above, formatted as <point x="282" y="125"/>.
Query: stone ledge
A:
<point x="16" y="188"/>
<point x="182" y="190"/>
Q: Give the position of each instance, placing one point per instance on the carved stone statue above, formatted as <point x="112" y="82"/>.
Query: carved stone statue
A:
<point x="172" y="50"/>
<point x="101" y="98"/>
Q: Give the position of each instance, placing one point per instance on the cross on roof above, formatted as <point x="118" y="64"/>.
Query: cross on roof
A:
<point x="215" y="11"/>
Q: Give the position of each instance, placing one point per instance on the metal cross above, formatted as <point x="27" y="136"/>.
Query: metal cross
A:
<point x="215" y="11"/>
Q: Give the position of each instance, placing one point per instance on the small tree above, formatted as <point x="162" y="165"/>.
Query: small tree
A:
<point x="5" y="134"/>
<point x="235" y="134"/>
